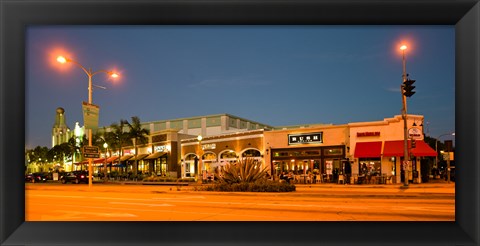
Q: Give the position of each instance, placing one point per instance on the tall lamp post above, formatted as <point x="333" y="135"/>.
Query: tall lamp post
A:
<point x="105" y="146"/>
<point x="406" y="158"/>
<point x="200" y="171"/>
<point x="90" y="74"/>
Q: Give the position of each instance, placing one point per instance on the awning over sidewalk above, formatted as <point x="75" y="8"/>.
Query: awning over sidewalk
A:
<point x="126" y="157"/>
<point x="112" y="159"/>
<point x="423" y="149"/>
<point x="368" y="149"/>
<point x="139" y="157"/>
<point x="155" y="155"/>
<point x="395" y="148"/>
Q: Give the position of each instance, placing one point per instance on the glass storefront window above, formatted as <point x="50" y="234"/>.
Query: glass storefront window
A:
<point x="228" y="155"/>
<point x="333" y="151"/>
<point x="280" y="154"/>
<point x="251" y="153"/>
<point x="209" y="156"/>
<point x="370" y="166"/>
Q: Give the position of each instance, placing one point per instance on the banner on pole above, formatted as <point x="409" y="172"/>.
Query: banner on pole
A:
<point x="90" y="115"/>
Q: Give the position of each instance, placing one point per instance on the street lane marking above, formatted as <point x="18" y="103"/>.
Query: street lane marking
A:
<point x="121" y="198"/>
<point x="143" y="204"/>
<point x="76" y="213"/>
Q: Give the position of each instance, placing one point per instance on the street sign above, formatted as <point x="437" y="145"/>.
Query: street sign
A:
<point x="404" y="165"/>
<point x="91" y="152"/>
<point x="90" y="115"/>
<point x="91" y="155"/>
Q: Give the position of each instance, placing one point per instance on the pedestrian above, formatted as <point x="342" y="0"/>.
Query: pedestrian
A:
<point x="348" y="171"/>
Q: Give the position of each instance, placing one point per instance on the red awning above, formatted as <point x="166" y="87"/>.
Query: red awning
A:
<point x="395" y="148"/>
<point x="99" y="160"/>
<point x="112" y="159"/>
<point x="423" y="149"/>
<point x="368" y="149"/>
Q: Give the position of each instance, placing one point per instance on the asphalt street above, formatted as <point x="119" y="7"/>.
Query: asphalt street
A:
<point x="320" y="202"/>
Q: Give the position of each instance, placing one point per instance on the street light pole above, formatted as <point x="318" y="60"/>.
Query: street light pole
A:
<point x="90" y="74"/>
<point x="105" y="146"/>
<point x="200" y="171"/>
<point x="406" y="158"/>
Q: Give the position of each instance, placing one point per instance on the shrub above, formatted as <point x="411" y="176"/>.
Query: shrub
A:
<point x="258" y="186"/>
<point x="186" y="180"/>
<point x="244" y="171"/>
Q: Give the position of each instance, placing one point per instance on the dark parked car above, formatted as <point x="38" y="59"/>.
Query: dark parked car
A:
<point x="75" y="177"/>
<point x="36" y="177"/>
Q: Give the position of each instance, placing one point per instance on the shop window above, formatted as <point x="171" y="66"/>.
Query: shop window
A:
<point x="190" y="157"/>
<point x="370" y="167"/>
<point x="310" y="152"/>
<point x="228" y="155"/>
<point x="251" y="153"/>
<point x="280" y="154"/>
<point x="209" y="156"/>
<point x="333" y="151"/>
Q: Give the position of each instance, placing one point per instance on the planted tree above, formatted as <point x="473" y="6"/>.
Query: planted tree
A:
<point x="138" y="135"/>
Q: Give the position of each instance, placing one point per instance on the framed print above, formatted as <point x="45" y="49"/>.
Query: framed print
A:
<point x="18" y="16"/>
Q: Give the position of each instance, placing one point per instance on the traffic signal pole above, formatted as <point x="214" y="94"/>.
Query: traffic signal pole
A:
<point x="406" y="158"/>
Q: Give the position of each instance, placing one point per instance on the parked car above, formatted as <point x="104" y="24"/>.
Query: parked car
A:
<point x="36" y="177"/>
<point x="75" y="177"/>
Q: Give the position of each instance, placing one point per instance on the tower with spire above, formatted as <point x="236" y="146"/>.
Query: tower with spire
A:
<point x="60" y="131"/>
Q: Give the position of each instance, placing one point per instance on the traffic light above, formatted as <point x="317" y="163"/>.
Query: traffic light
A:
<point x="414" y="144"/>
<point x="408" y="87"/>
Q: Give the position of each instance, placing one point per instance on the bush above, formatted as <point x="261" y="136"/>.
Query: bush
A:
<point x="244" y="171"/>
<point x="258" y="186"/>
<point x="186" y="180"/>
<point x="154" y="178"/>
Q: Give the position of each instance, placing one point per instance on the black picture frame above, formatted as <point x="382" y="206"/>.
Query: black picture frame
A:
<point x="17" y="15"/>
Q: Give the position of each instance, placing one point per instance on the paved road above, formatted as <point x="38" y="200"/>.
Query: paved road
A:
<point x="114" y="202"/>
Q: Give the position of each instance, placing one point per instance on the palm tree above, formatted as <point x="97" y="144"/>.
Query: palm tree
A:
<point x="119" y="137"/>
<point x="138" y="135"/>
<point x="73" y="147"/>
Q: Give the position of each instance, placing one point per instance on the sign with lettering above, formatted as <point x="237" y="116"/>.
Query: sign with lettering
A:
<point x="307" y="138"/>
<point x="209" y="146"/>
<point x="161" y="148"/>
<point x="90" y="115"/>
<point x="91" y="152"/>
<point x="414" y="133"/>
<point x="368" y="134"/>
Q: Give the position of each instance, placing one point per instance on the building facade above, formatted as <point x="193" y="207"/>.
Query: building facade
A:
<point x="353" y="150"/>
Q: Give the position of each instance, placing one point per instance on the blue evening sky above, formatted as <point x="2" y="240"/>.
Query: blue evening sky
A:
<point x="276" y="75"/>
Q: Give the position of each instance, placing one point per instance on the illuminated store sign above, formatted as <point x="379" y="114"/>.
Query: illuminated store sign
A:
<point x="209" y="146"/>
<point x="368" y="134"/>
<point x="308" y="138"/>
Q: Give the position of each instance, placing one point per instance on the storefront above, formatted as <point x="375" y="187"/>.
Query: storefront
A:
<point x="319" y="150"/>
<point x="201" y="159"/>
<point x="325" y="161"/>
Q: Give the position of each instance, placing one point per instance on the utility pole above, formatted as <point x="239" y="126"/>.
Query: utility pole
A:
<point x="406" y="88"/>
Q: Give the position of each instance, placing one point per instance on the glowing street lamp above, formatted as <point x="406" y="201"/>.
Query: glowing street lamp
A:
<point x="90" y="74"/>
<point x="406" y="158"/>
<point x="105" y="146"/>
